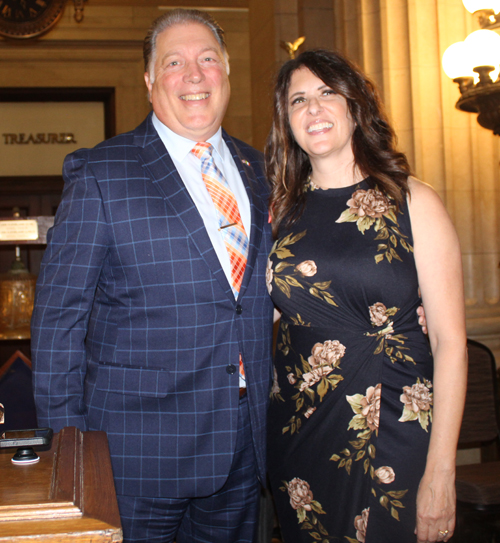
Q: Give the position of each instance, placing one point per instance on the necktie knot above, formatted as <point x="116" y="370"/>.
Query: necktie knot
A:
<point x="202" y="148"/>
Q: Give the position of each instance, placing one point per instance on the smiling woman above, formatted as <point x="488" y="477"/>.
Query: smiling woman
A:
<point x="320" y="121"/>
<point x="362" y="438"/>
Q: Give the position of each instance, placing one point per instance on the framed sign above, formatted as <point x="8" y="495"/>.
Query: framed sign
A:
<point x="40" y="126"/>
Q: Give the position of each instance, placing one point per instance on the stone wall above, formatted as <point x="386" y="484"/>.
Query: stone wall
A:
<point x="105" y="50"/>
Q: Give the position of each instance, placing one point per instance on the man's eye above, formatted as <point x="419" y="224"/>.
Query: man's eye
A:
<point x="173" y="63"/>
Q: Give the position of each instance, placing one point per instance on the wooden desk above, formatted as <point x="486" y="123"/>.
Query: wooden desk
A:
<point x="67" y="496"/>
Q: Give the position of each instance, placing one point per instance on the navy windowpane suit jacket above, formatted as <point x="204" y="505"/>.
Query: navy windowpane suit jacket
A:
<point x="135" y="329"/>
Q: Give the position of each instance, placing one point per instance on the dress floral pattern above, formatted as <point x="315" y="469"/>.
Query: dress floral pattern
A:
<point x="351" y="402"/>
<point x="301" y="500"/>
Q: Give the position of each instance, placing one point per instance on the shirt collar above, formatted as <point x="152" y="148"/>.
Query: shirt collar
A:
<point x="179" y="147"/>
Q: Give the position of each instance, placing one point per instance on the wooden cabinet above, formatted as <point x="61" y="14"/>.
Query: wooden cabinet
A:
<point x="67" y="496"/>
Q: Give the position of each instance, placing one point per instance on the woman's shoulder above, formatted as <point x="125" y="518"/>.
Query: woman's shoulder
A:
<point x="427" y="210"/>
<point x="423" y="197"/>
<point x="419" y="189"/>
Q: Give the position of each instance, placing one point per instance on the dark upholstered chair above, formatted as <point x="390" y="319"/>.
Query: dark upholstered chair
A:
<point x="478" y="485"/>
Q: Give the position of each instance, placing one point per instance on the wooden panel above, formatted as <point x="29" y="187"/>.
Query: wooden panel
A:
<point x="67" y="496"/>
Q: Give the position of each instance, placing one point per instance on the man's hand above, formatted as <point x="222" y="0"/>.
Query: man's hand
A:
<point x="421" y="318"/>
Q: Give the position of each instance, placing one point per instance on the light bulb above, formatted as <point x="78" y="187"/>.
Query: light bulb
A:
<point x="477" y="5"/>
<point x="483" y="48"/>
<point x="456" y="61"/>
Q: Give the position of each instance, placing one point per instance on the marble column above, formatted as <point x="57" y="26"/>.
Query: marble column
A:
<point x="270" y="23"/>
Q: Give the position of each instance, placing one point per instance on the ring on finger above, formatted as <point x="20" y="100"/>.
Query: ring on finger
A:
<point x="443" y="532"/>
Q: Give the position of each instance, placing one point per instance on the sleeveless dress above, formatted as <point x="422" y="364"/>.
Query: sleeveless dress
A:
<point x="351" y="402"/>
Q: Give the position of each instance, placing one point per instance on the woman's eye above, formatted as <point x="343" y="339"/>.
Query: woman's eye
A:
<point x="297" y="101"/>
<point x="329" y="92"/>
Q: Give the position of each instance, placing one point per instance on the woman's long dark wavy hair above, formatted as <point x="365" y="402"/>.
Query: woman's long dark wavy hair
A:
<point x="373" y="140"/>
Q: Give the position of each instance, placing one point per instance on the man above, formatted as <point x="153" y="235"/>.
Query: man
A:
<point x="152" y="320"/>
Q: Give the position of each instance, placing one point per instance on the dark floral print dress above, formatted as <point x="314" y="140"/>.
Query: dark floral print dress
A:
<point x="351" y="403"/>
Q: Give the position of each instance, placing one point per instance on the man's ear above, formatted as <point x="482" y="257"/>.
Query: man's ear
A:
<point x="149" y="84"/>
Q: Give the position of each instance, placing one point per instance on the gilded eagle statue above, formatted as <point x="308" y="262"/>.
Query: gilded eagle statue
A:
<point x="291" y="47"/>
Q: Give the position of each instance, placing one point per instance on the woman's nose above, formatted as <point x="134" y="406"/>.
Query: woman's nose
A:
<point x="314" y="106"/>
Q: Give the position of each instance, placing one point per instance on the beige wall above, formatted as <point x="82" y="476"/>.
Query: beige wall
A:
<point x="105" y="50"/>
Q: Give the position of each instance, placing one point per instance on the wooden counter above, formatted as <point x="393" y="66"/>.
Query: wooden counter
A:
<point x="68" y="495"/>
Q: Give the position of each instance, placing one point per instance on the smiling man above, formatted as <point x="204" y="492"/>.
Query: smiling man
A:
<point x="152" y="320"/>
<point x="188" y="81"/>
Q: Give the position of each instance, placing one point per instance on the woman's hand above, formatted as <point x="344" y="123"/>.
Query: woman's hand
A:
<point x="422" y="320"/>
<point x="436" y="506"/>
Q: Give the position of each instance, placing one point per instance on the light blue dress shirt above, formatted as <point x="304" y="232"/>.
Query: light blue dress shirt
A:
<point x="189" y="168"/>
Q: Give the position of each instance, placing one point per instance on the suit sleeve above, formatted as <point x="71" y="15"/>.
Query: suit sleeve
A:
<point x="76" y="248"/>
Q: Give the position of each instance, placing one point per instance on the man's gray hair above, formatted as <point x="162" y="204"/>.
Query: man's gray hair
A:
<point x="179" y="17"/>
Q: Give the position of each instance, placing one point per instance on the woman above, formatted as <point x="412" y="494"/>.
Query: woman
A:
<point x="364" y="420"/>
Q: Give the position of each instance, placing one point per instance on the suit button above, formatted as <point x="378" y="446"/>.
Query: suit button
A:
<point x="231" y="368"/>
<point x="239" y="309"/>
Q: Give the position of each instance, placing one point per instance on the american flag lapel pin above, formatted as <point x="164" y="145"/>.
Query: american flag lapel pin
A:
<point x="245" y="162"/>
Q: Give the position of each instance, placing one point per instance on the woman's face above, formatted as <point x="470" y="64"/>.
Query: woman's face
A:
<point x="319" y="118"/>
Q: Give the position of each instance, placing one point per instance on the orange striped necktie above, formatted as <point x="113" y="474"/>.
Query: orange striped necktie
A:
<point x="228" y="214"/>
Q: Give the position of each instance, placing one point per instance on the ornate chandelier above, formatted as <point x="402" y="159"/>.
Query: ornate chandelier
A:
<point x="474" y="65"/>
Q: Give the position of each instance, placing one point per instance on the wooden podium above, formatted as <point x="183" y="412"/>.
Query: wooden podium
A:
<point x="67" y="496"/>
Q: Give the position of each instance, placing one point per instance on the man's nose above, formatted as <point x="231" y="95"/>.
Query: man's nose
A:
<point x="193" y="73"/>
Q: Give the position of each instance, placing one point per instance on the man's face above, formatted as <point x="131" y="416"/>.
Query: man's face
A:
<point x="189" y="88"/>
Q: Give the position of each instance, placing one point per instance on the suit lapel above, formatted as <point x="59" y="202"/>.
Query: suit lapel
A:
<point x="258" y="209"/>
<point x="164" y="175"/>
